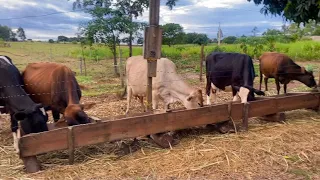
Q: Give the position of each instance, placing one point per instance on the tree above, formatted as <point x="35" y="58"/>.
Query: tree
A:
<point x="51" y="41"/>
<point x="172" y="33"/>
<point x="299" y="11"/>
<point x="62" y="39"/>
<point x="229" y="39"/>
<point x="272" y="32"/>
<point x="201" y="39"/>
<point x="21" y="34"/>
<point x="132" y="8"/>
<point x="5" y="33"/>
<point x="255" y="31"/>
<point x="127" y="8"/>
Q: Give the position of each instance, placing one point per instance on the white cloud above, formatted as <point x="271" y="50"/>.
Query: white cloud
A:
<point x="74" y="15"/>
<point x="15" y="4"/>
<point x="218" y="3"/>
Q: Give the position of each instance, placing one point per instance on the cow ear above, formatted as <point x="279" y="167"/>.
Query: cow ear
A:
<point x="20" y="116"/>
<point x="303" y="70"/>
<point x="87" y="106"/>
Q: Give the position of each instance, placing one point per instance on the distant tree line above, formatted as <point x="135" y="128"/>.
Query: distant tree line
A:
<point x="174" y="34"/>
<point x="7" y="34"/>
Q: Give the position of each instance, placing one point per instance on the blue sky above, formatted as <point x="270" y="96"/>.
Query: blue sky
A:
<point x="237" y="17"/>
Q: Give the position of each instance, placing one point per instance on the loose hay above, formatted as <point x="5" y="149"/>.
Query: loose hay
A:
<point x="268" y="150"/>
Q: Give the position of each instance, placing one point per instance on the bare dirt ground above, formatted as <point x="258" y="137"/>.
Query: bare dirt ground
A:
<point x="288" y="150"/>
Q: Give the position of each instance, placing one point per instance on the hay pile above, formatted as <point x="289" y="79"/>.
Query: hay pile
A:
<point x="289" y="150"/>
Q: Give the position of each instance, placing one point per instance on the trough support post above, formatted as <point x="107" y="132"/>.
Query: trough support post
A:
<point x="245" y="117"/>
<point x="31" y="163"/>
<point x="152" y="51"/>
<point x="71" y="145"/>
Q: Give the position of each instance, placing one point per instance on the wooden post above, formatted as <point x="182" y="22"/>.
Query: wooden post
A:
<point x="31" y="163"/>
<point x="152" y="51"/>
<point x="85" y="66"/>
<point x="71" y="145"/>
<point x="201" y="61"/>
<point x="80" y="64"/>
<point x="245" y="117"/>
<point x="120" y="67"/>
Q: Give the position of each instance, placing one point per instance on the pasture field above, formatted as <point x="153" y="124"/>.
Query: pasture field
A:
<point x="288" y="150"/>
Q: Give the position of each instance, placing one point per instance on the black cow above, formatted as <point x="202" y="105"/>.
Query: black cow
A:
<point x="231" y="69"/>
<point x="18" y="104"/>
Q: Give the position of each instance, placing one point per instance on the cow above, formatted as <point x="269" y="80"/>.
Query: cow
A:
<point x="230" y="69"/>
<point x="26" y="115"/>
<point x="283" y="69"/>
<point x="55" y="86"/>
<point x="167" y="85"/>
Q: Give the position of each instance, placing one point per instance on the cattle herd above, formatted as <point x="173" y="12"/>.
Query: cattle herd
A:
<point x="45" y="86"/>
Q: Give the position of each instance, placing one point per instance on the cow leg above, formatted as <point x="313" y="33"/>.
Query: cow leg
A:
<point x="278" y="85"/>
<point x="129" y="91"/>
<point x="142" y="104"/>
<point x="155" y="100"/>
<point x="213" y="96"/>
<point x="234" y="93"/>
<point x="55" y="115"/>
<point x="16" y="135"/>
<point x="265" y="82"/>
<point x="285" y="88"/>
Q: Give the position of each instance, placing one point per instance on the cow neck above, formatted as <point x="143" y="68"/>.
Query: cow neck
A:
<point x="181" y="90"/>
<point x="72" y="93"/>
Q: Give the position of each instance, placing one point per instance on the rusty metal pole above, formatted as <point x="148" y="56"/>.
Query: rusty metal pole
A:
<point x="152" y="48"/>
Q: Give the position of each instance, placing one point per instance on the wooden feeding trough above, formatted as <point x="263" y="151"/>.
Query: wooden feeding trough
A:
<point x="123" y="127"/>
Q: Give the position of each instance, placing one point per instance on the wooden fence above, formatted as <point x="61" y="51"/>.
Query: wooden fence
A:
<point x="123" y="127"/>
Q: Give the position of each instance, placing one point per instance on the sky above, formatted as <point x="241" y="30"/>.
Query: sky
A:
<point x="236" y="17"/>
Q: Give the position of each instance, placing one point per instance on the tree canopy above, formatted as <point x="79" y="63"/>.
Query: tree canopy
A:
<point x="298" y="11"/>
<point x="172" y="33"/>
<point x="21" y="34"/>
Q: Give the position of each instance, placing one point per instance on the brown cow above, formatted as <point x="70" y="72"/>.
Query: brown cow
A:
<point x="55" y="86"/>
<point x="283" y="69"/>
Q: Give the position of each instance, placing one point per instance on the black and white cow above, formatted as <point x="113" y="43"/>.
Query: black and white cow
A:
<point x="18" y="104"/>
<point x="230" y="69"/>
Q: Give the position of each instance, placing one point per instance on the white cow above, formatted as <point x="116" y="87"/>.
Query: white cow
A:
<point x="167" y="85"/>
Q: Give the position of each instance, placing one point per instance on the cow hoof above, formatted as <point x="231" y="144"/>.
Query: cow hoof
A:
<point x="164" y="140"/>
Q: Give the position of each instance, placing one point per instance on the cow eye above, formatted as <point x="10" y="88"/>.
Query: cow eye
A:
<point x="199" y="104"/>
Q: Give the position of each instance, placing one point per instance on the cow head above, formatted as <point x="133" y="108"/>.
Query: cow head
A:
<point x="74" y="114"/>
<point x="32" y="120"/>
<point x="246" y="93"/>
<point x="307" y="78"/>
<point x="194" y="100"/>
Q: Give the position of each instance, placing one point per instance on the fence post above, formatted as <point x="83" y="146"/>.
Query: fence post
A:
<point x="80" y="65"/>
<point x="201" y="61"/>
<point x="120" y="67"/>
<point x="85" y="66"/>
<point x="50" y="54"/>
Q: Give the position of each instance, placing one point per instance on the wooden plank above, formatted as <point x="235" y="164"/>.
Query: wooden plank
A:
<point x="35" y="144"/>
<point x="146" y="125"/>
<point x="263" y="107"/>
<point x="237" y="111"/>
<point x="297" y="102"/>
